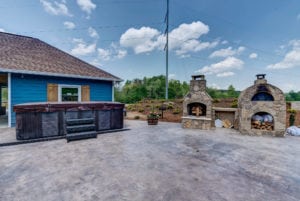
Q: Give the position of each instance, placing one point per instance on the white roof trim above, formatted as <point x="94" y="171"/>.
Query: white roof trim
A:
<point x="57" y="74"/>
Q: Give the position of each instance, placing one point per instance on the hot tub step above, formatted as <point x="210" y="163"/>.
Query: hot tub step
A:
<point x="81" y="128"/>
<point x="81" y="135"/>
<point x="72" y="122"/>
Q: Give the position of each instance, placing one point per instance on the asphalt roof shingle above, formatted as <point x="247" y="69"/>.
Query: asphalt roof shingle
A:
<point x="24" y="54"/>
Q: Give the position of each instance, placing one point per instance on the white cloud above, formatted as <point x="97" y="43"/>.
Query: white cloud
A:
<point x="2" y="30"/>
<point x="104" y="54"/>
<point x="69" y="25"/>
<point x="253" y="56"/>
<point x="121" y="54"/>
<point x="227" y="52"/>
<point x="140" y="40"/>
<point x="228" y="64"/>
<point x="298" y="17"/>
<point x="93" y="33"/>
<point x="82" y="49"/>
<point x="195" y="46"/>
<point x="225" y="74"/>
<point x="113" y="52"/>
<point x="95" y="62"/>
<point x="183" y="39"/>
<point x="86" y="5"/>
<point x="224" y="42"/>
<point x="291" y="58"/>
<point x="56" y="8"/>
<point x="287" y="87"/>
<point x="186" y="32"/>
<point x="215" y="86"/>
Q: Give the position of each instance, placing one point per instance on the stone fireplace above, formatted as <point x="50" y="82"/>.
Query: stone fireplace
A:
<point x="197" y="105"/>
<point x="262" y="109"/>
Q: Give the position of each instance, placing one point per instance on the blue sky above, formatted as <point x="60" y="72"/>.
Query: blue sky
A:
<point x="230" y="41"/>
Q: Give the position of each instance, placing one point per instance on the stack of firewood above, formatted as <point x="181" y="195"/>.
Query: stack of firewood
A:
<point x="262" y="125"/>
<point x="227" y="124"/>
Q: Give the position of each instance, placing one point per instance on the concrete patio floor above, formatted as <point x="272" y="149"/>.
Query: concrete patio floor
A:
<point x="162" y="162"/>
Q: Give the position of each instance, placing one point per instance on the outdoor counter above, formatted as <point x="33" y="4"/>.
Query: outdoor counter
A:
<point x="48" y="119"/>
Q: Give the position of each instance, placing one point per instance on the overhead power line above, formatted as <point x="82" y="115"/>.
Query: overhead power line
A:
<point x="94" y="27"/>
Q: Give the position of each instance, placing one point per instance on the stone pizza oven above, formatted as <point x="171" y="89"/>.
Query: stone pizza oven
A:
<point x="262" y="109"/>
<point x="197" y="105"/>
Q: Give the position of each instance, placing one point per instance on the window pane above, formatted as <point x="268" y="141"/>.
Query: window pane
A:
<point x="69" y="94"/>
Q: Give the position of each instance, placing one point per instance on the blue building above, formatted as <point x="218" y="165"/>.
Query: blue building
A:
<point x="34" y="71"/>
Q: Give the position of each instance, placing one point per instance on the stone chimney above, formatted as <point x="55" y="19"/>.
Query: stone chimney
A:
<point x="260" y="79"/>
<point x="198" y="83"/>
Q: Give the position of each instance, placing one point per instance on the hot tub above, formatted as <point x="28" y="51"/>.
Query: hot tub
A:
<point x="49" y="119"/>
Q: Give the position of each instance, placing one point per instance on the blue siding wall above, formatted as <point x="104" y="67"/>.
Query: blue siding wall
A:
<point x="33" y="88"/>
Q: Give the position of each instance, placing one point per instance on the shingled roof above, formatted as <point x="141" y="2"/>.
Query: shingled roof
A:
<point x="27" y="55"/>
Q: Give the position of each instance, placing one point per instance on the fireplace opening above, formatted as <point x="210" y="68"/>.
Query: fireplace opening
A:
<point x="262" y="121"/>
<point x="196" y="109"/>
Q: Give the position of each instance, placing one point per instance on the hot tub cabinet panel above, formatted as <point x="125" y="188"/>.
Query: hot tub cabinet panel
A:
<point x="38" y="120"/>
<point x="103" y="119"/>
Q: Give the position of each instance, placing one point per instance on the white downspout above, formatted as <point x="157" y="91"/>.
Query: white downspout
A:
<point x="9" y="98"/>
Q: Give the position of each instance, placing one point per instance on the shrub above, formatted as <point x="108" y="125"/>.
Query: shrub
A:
<point x="129" y="107"/>
<point x="234" y="103"/>
<point x="176" y="111"/>
<point x="216" y="100"/>
<point x="292" y="117"/>
<point x="137" y="117"/>
<point x="292" y="111"/>
<point x="170" y="106"/>
<point x="181" y="101"/>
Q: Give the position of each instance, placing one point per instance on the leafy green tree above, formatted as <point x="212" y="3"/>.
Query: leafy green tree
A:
<point x="154" y="88"/>
<point x="231" y="92"/>
<point x="175" y="89"/>
<point x="293" y="96"/>
<point x="185" y="88"/>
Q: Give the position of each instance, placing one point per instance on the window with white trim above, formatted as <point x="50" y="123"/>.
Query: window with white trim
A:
<point x="69" y="93"/>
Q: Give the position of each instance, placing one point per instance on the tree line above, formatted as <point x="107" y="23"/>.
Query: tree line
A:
<point x="292" y="96"/>
<point x="154" y="88"/>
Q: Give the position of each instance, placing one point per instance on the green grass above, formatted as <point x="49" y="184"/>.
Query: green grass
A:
<point x="4" y="94"/>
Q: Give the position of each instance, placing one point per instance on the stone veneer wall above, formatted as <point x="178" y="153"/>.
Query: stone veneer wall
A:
<point x="197" y="94"/>
<point x="247" y="108"/>
<point x="200" y="123"/>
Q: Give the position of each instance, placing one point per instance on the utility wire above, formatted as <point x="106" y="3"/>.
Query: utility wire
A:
<point x="94" y="27"/>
